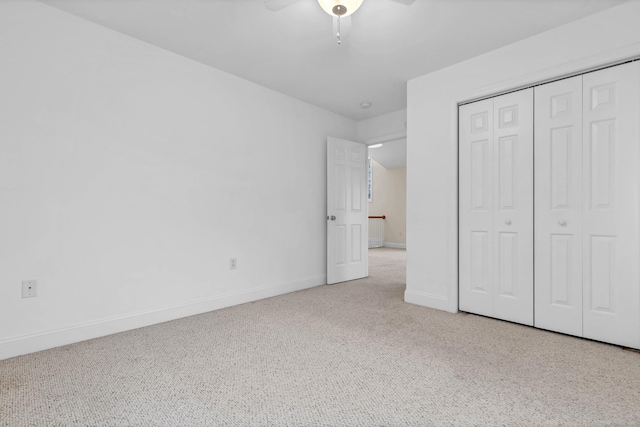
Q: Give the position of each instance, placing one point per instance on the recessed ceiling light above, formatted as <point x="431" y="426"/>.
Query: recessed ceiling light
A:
<point x="375" y="146"/>
<point x="365" y="105"/>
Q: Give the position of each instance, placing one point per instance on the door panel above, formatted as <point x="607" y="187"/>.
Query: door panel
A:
<point x="480" y="176"/>
<point x="508" y="268"/>
<point x="507" y="178"/>
<point x="560" y="274"/>
<point x="476" y="206"/>
<point x="480" y="262"/>
<point x="558" y="206"/>
<point x="611" y="253"/>
<point x="346" y="211"/>
<point x="513" y="206"/>
<point x="602" y="150"/>
<point x="602" y="273"/>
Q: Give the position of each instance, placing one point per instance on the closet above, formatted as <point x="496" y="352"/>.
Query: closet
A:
<point x="549" y="206"/>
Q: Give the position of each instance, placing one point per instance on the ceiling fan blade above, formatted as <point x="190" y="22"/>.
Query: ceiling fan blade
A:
<point x="276" y="5"/>
<point x="405" y="2"/>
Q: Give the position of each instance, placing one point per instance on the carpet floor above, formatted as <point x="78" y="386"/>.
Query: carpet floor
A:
<point x="351" y="354"/>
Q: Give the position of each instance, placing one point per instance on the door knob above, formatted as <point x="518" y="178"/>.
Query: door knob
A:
<point x="332" y="217"/>
<point x="508" y="222"/>
<point x="562" y="223"/>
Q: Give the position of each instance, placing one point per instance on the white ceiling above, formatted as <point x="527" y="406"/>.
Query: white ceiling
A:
<point x="392" y="154"/>
<point x="294" y="50"/>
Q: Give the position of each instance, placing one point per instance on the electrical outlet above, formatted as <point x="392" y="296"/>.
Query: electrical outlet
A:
<point x="29" y="288"/>
<point x="233" y="263"/>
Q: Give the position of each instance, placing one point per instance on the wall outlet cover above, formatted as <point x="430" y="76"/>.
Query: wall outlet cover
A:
<point x="29" y="288"/>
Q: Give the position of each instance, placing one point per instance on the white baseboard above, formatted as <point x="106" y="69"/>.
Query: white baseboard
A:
<point x="395" y="245"/>
<point x="424" y="299"/>
<point x="17" y="346"/>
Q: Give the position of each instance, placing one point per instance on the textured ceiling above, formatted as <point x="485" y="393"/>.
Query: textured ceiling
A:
<point x="294" y="50"/>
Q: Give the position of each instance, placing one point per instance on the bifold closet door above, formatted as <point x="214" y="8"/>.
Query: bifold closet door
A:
<point x="587" y="205"/>
<point x="496" y="207"/>
<point x="611" y="197"/>
<point x="476" y="207"/>
<point x="558" y="206"/>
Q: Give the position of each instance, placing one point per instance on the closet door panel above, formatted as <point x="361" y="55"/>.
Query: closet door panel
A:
<point x="558" y="206"/>
<point x="475" y="207"/>
<point x="611" y="194"/>
<point x="513" y="207"/>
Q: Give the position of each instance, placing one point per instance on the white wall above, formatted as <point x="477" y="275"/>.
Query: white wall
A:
<point x="130" y="175"/>
<point x="385" y="127"/>
<point x="599" y="39"/>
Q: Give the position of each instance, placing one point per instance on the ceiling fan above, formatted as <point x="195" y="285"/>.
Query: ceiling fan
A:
<point x="338" y="9"/>
<point x="281" y="4"/>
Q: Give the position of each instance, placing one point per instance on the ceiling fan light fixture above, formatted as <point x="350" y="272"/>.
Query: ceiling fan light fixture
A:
<point x="340" y="7"/>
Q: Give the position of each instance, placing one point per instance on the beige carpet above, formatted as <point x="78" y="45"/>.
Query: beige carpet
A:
<point x="343" y="355"/>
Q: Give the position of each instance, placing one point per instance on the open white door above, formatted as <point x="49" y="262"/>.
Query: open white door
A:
<point x="347" y="223"/>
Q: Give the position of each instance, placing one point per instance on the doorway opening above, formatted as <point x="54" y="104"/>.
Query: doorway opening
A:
<point x="387" y="198"/>
<point x="387" y="203"/>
